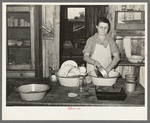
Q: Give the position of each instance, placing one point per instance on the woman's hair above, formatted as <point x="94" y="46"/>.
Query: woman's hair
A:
<point x="104" y="20"/>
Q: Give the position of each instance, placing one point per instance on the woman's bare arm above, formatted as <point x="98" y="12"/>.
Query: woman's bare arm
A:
<point x="116" y="59"/>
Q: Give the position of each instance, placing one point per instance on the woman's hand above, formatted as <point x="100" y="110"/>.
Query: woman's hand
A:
<point x="96" y="63"/>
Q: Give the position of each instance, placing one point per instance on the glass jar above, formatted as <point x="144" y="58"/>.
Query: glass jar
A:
<point x="82" y="83"/>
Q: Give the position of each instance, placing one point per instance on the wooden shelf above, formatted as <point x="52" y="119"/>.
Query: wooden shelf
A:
<point x="18" y="12"/>
<point x="19" y="46"/>
<point x="28" y="27"/>
<point x="127" y="63"/>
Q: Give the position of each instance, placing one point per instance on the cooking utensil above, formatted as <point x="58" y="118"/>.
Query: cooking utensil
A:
<point x="101" y="72"/>
<point x="32" y="92"/>
<point x="98" y="73"/>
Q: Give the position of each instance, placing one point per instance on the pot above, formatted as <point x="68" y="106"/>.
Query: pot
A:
<point x="101" y="72"/>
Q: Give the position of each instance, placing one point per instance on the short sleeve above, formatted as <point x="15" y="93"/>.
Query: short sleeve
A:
<point x="88" y="47"/>
<point x="113" y="46"/>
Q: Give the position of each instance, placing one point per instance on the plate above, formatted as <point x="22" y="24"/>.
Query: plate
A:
<point x="70" y="62"/>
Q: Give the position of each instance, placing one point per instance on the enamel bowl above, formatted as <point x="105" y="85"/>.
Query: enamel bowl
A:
<point x="68" y="81"/>
<point x="101" y="81"/>
<point x="136" y="59"/>
<point x="19" y="43"/>
<point x="33" y="92"/>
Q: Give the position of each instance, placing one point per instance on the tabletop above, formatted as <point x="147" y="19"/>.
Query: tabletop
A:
<point x="58" y="95"/>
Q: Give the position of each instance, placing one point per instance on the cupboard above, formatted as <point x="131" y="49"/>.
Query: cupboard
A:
<point x="22" y="40"/>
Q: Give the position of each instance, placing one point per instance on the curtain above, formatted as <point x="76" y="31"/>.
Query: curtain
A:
<point x="92" y="15"/>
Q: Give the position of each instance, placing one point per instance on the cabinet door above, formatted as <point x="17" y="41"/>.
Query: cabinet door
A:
<point x="20" y="38"/>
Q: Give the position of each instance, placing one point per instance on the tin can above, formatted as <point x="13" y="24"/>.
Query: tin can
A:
<point x="130" y="86"/>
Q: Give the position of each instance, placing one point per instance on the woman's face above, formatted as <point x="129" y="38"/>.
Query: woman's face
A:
<point x="102" y="28"/>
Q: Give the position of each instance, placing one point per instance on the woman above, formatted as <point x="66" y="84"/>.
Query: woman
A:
<point x="101" y="49"/>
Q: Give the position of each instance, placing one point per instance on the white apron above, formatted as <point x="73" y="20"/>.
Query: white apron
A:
<point x="102" y="55"/>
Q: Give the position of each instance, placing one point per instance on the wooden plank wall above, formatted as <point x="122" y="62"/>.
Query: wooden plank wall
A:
<point x="50" y="42"/>
<point x="138" y="46"/>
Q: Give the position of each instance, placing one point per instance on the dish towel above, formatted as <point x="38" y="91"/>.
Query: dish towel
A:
<point x="127" y="46"/>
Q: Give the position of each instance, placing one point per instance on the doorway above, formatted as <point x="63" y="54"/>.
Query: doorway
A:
<point x="72" y="33"/>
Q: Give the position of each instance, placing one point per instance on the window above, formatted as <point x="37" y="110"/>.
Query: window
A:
<point x="76" y="15"/>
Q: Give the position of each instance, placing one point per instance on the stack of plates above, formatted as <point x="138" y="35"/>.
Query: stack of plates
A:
<point x="26" y="42"/>
<point x="11" y="42"/>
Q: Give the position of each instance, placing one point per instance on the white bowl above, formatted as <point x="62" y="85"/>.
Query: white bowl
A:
<point x="100" y="81"/>
<point x="136" y="59"/>
<point x="19" y="43"/>
<point x="33" y="92"/>
<point x="104" y="81"/>
<point x="68" y="81"/>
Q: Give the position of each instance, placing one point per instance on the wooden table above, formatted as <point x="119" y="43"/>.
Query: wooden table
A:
<point x="58" y="96"/>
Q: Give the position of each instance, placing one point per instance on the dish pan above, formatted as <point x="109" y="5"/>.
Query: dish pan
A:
<point x="101" y="81"/>
<point x="68" y="81"/>
<point x="33" y="92"/>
